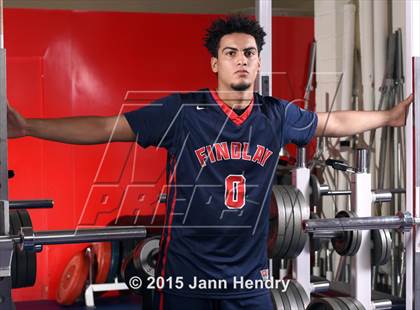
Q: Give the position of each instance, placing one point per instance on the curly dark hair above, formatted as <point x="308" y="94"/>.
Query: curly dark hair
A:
<point x="231" y="24"/>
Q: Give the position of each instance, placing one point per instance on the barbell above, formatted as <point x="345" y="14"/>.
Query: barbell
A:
<point x="290" y="225"/>
<point x="318" y="190"/>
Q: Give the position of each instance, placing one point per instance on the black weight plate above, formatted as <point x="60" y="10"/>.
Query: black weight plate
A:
<point x="25" y="219"/>
<point x="128" y="271"/>
<point x="342" y="244"/>
<point x="14" y="256"/>
<point x="126" y="247"/>
<point x="20" y="255"/>
<point x="115" y="261"/>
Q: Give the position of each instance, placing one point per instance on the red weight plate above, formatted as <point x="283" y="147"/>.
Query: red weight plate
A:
<point x="73" y="279"/>
<point x="103" y="254"/>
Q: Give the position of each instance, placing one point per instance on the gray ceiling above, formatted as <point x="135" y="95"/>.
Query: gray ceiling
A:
<point x="280" y="7"/>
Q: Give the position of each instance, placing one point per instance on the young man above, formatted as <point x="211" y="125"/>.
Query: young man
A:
<point x="222" y="155"/>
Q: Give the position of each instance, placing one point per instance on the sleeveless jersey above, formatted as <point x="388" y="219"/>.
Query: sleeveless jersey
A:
<point x="220" y="170"/>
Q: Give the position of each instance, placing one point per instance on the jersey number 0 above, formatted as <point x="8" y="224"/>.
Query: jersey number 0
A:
<point x="235" y="189"/>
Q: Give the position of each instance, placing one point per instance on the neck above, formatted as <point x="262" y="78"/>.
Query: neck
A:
<point x="235" y="99"/>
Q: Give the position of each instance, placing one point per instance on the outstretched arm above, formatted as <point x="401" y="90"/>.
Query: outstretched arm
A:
<point x="72" y="130"/>
<point x="347" y="123"/>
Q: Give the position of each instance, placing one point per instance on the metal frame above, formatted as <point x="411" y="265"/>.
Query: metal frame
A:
<point x="6" y="283"/>
<point x="263" y="12"/>
<point x="302" y="263"/>
<point x="413" y="247"/>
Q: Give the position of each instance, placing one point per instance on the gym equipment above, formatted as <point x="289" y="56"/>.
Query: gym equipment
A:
<point x="103" y="254"/>
<point x="288" y="232"/>
<point x="293" y="298"/>
<point x="344" y="303"/>
<point x="23" y="262"/>
<point x="73" y="279"/>
<point x="145" y="257"/>
<point x="381" y="246"/>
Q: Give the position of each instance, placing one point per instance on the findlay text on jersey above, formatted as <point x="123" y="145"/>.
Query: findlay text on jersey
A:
<point x="236" y="150"/>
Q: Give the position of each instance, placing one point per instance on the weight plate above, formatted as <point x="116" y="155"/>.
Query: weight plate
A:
<point x="388" y="242"/>
<point x="344" y="304"/>
<point x="356" y="239"/>
<point x="103" y="256"/>
<point x="145" y="257"/>
<point x="291" y="298"/>
<point x="284" y="299"/>
<point x="128" y="271"/>
<point x="20" y="255"/>
<point x="349" y="302"/>
<point x="301" y="212"/>
<point x="126" y="247"/>
<point x="324" y="304"/>
<point x="277" y="223"/>
<point x="349" y="242"/>
<point x="315" y="190"/>
<point x="381" y="246"/>
<point x="115" y="261"/>
<point x="73" y="279"/>
<point x="298" y="298"/>
<point x="276" y="299"/>
<point x="358" y="305"/>
<point x="30" y="276"/>
<point x="15" y="249"/>
<point x="295" y="220"/>
<point x="302" y="293"/>
<point x="286" y="223"/>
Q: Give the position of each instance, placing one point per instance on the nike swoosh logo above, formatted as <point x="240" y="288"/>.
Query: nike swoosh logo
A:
<point x="199" y="108"/>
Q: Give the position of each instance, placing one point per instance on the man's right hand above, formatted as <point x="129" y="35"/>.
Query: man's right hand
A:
<point x="16" y="123"/>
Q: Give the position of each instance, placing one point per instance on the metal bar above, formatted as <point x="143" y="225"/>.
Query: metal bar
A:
<point x="358" y="223"/>
<point x="81" y="235"/>
<point x="31" y="204"/>
<point x="320" y="286"/>
<point x="264" y="16"/>
<point x="382" y="304"/>
<point x="6" y="301"/>
<point x="327" y="234"/>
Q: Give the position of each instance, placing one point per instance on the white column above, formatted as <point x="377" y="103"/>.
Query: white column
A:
<point x="302" y="264"/>
<point x="264" y="17"/>
<point x="361" y="200"/>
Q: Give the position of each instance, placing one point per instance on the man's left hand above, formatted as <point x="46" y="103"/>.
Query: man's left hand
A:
<point x="398" y="114"/>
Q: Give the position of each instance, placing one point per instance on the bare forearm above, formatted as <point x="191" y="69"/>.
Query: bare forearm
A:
<point x="73" y="130"/>
<point x="347" y="123"/>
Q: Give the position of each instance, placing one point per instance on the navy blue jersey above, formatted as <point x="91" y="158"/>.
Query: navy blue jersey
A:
<point x="220" y="171"/>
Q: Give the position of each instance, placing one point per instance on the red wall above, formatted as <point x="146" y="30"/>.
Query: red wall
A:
<point x="66" y="63"/>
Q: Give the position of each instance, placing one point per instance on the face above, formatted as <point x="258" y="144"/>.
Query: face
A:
<point x="237" y="62"/>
